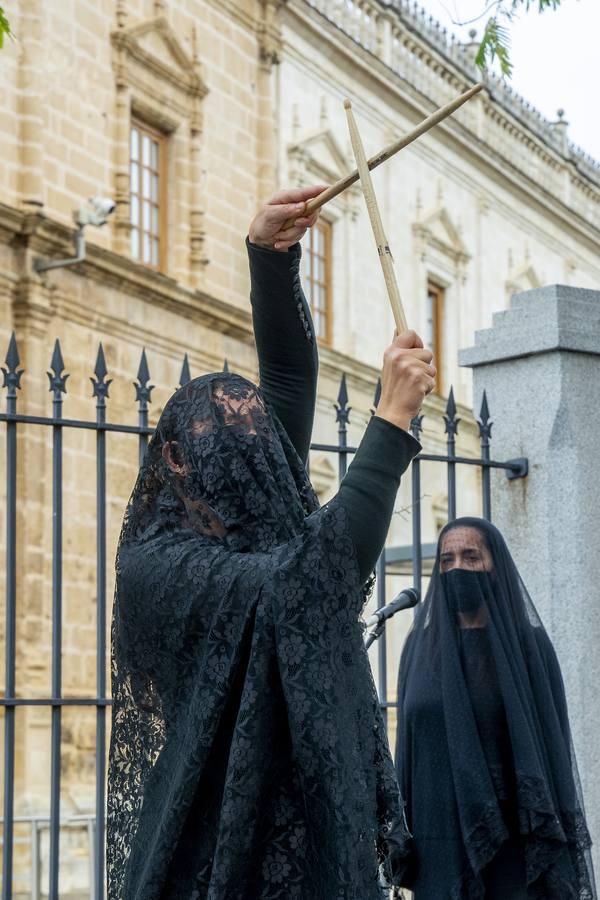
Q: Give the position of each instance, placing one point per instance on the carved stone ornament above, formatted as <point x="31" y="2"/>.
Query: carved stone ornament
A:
<point x="438" y="232"/>
<point x="320" y="158"/>
<point x="150" y="50"/>
<point x="269" y="33"/>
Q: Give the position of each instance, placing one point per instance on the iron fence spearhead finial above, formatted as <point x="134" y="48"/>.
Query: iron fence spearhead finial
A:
<point x="143" y="390"/>
<point x="342" y="410"/>
<point x="58" y="380"/>
<point x="100" y="386"/>
<point x="376" y="397"/>
<point x="185" y="376"/>
<point x="416" y="426"/>
<point x="451" y="418"/>
<point x="484" y="422"/>
<point x="12" y="373"/>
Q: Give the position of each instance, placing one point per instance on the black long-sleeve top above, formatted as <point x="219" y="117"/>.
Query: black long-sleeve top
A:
<point x="288" y="370"/>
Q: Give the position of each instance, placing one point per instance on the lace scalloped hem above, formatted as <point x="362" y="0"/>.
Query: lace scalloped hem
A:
<point x="551" y="847"/>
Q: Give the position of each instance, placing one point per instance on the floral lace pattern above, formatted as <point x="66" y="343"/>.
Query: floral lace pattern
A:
<point x="248" y="755"/>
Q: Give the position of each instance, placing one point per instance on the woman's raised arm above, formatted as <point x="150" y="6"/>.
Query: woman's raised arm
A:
<point x="283" y="328"/>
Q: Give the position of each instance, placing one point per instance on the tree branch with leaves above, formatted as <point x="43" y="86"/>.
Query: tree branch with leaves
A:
<point x="495" y="44"/>
<point x="5" y="29"/>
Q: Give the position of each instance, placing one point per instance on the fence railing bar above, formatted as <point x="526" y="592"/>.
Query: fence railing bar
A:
<point x="96" y="886"/>
<point x="342" y="416"/>
<point x="42" y="821"/>
<point x="333" y="448"/>
<point x="9" y="702"/>
<point x="78" y="423"/>
<point x="509" y="466"/>
<point x="416" y="427"/>
<point x="381" y="643"/>
<point x="35" y="861"/>
<point x="485" y="432"/>
<point x="58" y="388"/>
<point x="12" y="381"/>
<point x="515" y="466"/>
<point x="451" y="421"/>
<point x="101" y="388"/>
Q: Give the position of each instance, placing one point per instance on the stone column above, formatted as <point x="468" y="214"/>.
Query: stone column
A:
<point x="540" y="366"/>
<point x="122" y="129"/>
<point x="269" y="37"/>
<point x="122" y="124"/>
<point x="198" y="258"/>
<point x="32" y="39"/>
<point x="197" y="230"/>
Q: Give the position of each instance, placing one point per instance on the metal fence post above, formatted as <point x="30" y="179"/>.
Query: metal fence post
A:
<point x="143" y="392"/>
<point x="485" y="433"/>
<point x="416" y="427"/>
<point x="12" y="381"/>
<point x="342" y="417"/>
<point x="58" y="388"/>
<point x="451" y="421"/>
<point x="100" y="392"/>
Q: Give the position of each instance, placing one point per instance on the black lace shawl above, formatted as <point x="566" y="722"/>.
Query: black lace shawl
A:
<point x="248" y="757"/>
<point x="484" y="749"/>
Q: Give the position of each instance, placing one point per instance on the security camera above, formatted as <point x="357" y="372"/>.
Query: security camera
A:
<point x="101" y="209"/>
<point x="104" y="206"/>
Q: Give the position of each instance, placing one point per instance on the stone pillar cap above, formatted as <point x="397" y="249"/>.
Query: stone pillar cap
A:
<point x="543" y="320"/>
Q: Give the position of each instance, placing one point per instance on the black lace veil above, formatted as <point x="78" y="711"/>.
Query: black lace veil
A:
<point x="478" y="652"/>
<point x="248" y="755"/>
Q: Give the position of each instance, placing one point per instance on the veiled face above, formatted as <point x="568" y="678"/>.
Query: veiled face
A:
<point x="231" y="409"/>
<point x="465" y="548"/>
<point x="228" y="469"/>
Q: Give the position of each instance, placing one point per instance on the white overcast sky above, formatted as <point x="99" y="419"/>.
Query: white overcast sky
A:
<point x="555" y="56"/>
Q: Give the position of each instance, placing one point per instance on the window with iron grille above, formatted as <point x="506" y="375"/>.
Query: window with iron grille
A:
<point x="433" y="337"/>
<point x="148" y="209"/>
<point x="317" y="278"/>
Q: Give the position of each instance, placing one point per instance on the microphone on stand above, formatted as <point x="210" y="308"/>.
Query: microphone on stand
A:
<point x="405" y="600"/>
<point x="376" y="623"/>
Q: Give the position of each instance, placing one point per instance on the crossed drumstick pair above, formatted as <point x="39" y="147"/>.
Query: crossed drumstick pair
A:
<point x="363" y="173"/>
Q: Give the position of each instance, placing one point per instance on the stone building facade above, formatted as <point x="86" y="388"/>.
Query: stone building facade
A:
<point x="229" y="100"/>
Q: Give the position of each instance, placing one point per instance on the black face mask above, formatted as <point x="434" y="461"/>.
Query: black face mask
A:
<point x="465" y="590"/>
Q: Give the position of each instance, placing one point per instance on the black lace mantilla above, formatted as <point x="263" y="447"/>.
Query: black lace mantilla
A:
<point x="248" y="755"/>
<point x="484" y="725"/>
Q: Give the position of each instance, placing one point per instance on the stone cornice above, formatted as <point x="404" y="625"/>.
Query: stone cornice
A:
<point x="12" y="223"/>
<point x="48" y="238"/>
<point x="454" y="62"/>
<point x="45" y="237"/>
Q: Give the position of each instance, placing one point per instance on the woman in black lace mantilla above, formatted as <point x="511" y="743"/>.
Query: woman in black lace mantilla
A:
<point x="248" y="755"/>
<point x="484" y="753"/>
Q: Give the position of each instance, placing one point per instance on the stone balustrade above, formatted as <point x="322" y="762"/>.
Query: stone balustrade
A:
<point x="418" y="49"/>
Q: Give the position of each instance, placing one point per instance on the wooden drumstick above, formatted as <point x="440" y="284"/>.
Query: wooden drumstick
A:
<point x="385" y="256"/>
<point x="434" y="119"/>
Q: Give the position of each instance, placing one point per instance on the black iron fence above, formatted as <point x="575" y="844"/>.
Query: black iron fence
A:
<point x="56" y="702"/>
